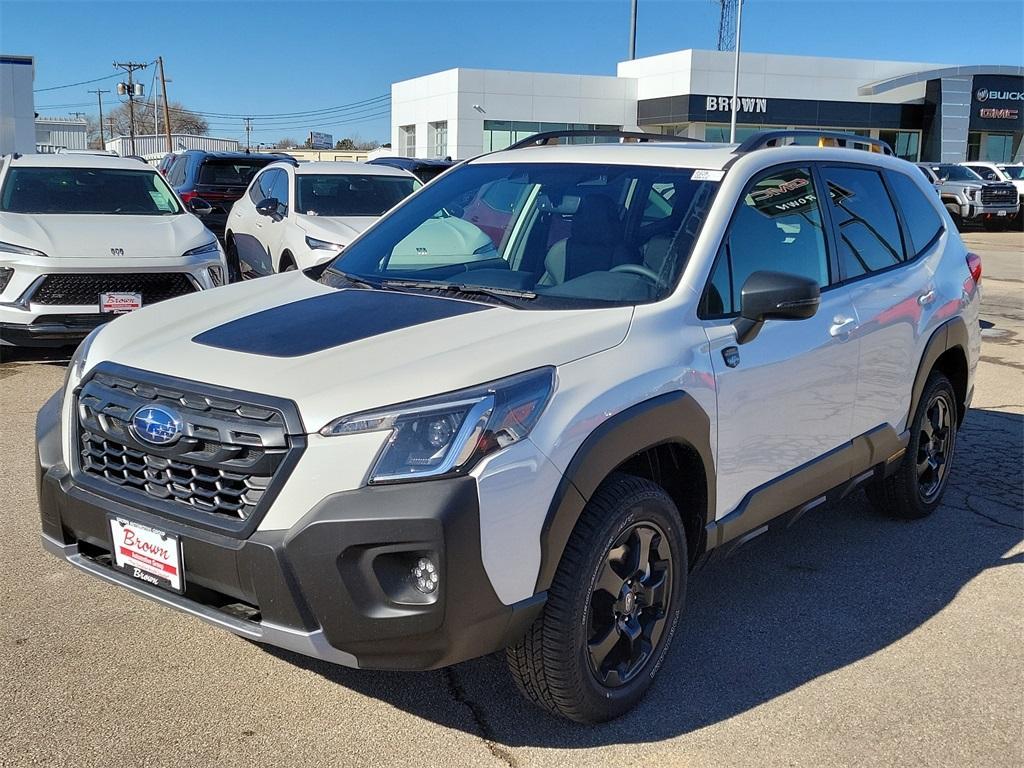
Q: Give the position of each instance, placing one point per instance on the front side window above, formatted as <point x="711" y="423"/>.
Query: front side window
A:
<point x="263" y="186"/>
<point x="951" y="172"/>
<point x="869" y="232"/>
<point x="279" y="191"/>
<point x="552" y="235"/>
<point x="87" y="191"/>
<point x="777" y="227"/>
<point x="334" y="194"/>
<point x="1015" y="172"/>
<point x="987" y="174"/>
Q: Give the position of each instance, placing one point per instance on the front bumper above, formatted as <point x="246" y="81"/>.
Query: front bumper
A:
<point x="982" y="210"/>
<point x="24" y="321"/>
<point x="334" y="586"/>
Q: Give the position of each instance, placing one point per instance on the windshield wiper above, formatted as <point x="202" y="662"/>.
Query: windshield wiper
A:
<point x="502" y="295"/>
<point x="358" y="281"/>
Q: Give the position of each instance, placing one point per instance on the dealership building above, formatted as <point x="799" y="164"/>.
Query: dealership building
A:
<point x="925" y="111"/>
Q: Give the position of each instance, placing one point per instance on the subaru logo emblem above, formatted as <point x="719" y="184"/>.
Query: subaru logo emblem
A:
<point x="156" y="425"/>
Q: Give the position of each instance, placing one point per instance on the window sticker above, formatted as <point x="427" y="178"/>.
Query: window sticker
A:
<point x="703" y="174"/>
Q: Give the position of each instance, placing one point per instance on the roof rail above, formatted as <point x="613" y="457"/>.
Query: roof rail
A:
<point x="763" y="139"/>
<point x="548" y="138"/>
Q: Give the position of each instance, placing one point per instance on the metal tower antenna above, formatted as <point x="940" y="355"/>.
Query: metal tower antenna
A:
<point x="727" y="25"/>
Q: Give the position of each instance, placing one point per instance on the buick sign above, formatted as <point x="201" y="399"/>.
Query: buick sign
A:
<point x="984" y="94"/>
<point x="156" y="425"/>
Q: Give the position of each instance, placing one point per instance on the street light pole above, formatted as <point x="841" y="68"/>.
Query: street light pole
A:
<point x="736" y="76"/>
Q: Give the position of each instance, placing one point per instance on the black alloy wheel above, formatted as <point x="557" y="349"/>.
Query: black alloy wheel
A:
<point x="628" y="606"/>
<point x="935" y="446"/>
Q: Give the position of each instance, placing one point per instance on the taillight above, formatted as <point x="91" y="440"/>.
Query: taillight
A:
<point x="186" y="196"/>
<point x="974" y="265"/>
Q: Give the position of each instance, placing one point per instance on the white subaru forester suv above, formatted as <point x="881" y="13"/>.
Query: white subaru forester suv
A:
<point x="403" y="466"/>
<point x="85" y="237"/>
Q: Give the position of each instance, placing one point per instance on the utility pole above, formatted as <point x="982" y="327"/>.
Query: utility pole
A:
<point x="99" y="97"/>
<point x="167" y="110"/>
<point x="736" y="75"/>
<point x="632" y="30"/>
<point x="248" y="131"/>
<point x="132" y="89"/>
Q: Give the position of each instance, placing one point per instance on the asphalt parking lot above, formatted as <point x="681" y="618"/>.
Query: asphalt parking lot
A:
<point x="850" y="639"/>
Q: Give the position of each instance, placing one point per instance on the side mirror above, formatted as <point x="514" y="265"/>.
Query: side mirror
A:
<point x="267" y="206"/>
<point x="774" y="296"/>
<point x="200" y="207"/>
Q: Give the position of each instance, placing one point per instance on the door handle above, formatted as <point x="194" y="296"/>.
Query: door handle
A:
<point x="841" y="326"/>
<point x="926" y="298"/>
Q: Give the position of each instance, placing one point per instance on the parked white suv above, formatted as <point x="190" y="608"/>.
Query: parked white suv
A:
<point x="84" y="238"/>
<point x="295" y="216"/>
<point x="403" y="467"/>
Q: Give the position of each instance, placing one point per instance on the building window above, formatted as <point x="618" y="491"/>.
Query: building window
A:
<point x="994" y="147"/>
<point x="437" y="138"/>
<point x="407" y="139"/>
<point x="500" y="134"/>
<point x="719" y="133"/>
<point x="906" y="144"/>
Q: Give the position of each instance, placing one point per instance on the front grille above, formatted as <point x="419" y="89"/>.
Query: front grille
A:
<point x="222" y="466"/>
<point x="78" y="289"/>
<point x="1006" y="195"/>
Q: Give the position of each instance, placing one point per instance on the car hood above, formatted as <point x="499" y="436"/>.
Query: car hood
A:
<point x="335" y="229"/>
<point x="336" y="352"/>
<point x="103" y="237"/>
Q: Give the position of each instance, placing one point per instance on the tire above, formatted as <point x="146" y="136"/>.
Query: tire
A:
<point x="234" y="264"/>
<point x="954" y="213"/>
<point x="915" y="489"/>
<point x="996" y="225"/>
<point x="553" y="665"/>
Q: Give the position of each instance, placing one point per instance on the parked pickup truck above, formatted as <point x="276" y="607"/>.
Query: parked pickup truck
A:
<point x="972" y="200"/>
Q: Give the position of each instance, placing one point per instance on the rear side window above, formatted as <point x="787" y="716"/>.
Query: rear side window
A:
<point x="777" y="227"/>
<point x="923" y="221"/>
<point x="866" y="223"/>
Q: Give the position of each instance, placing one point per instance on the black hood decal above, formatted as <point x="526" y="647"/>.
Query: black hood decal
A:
<point x="330" y="320"/>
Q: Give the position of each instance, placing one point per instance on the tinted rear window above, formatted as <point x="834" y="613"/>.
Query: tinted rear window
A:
<point x="229" y="173"/>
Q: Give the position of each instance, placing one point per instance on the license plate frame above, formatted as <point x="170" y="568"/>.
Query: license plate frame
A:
<point x="150" y="555"/>
<point x="119" y="302"/>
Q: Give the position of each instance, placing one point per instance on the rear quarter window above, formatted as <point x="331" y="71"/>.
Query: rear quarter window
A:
<point x="923" y="221"/>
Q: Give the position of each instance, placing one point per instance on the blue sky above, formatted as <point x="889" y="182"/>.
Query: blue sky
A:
<point x="276" y="57"/>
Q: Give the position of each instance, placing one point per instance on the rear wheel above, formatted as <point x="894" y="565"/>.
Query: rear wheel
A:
<point x="915" y="489"/>
<point x="601" y="639"/>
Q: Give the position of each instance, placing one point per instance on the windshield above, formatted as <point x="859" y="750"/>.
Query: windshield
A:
<point x="555" y="235"/>
<point x="334" y="194"/>
<point x="1015" y="172"/>
<point x="955" y="173"/>
<point x="87" y="190"/>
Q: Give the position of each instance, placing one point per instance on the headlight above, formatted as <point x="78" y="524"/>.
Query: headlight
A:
<point x="203" y="250"/>
<point x="19" y="250"/>
<point x="973" y="193"/>
<point x="450" y="433"/>
<point x="322" y="245"/>
<point x="76" y="367"/>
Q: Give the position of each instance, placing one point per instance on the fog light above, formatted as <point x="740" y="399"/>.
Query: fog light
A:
<point x="6" y="273"/>
<point x="425" y="576"/>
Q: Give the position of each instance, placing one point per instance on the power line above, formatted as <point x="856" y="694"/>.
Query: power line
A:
<point x="72" y="85"/>
<point x="286" y="115"/>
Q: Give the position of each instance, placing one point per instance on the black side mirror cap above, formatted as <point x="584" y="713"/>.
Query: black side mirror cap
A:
<point x="774" y="296"/>
<point x="200" y="207"/>
<point x="267" y="206"/>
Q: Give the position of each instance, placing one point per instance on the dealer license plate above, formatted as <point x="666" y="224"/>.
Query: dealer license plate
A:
<point x="147" y="554"/>
<point x="1000" y="213"/>
<point x="119" y="303"/>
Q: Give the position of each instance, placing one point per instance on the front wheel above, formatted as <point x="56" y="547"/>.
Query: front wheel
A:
<point x="234" y="263"/>
<point x="612" y="609"/>
<point x="915" y="489"/>
<point x="954" y="213"/>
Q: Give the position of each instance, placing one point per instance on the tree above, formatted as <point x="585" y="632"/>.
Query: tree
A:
<point x="285" y="143"/>
<point x="345" y="144"/>
<point x="182" y="120"/>
<point x="356" y="144"/>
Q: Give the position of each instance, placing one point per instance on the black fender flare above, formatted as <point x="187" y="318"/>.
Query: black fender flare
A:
<point x="674" y="417"/>
<point x="950" y="335"/>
